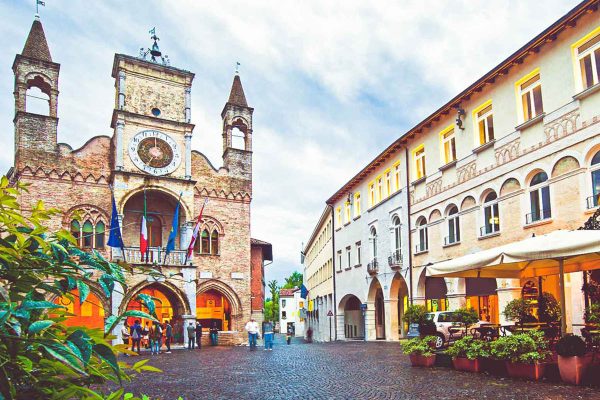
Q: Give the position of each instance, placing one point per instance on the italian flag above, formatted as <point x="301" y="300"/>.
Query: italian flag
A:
<point x="144" y="233"/>
<point x="195" y="233"/>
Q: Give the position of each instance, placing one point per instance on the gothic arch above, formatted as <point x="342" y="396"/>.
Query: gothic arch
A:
<point x="467" y="202"/>
<point x="226" y="290"/>
<point x="211" y="224"/>
<point x="88" y="212"/>
<point x="123" y="200"/>
<point x="565" y="164"/>
<point x="171" y="289"/>
<point x="435" y="215"/>
<point x="509" y="185"/>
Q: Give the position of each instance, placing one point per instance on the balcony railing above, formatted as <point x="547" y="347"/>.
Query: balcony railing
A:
<point x="592" y="202"/>
<point x="420" y="247"/>
<point x="489" y="229"/>
<point x="373" y="267"/>
<point x="395" y="260"/>
<point x="538" y="215"/>
<point x="448" y="240"/>
<point x="156" y="255"/>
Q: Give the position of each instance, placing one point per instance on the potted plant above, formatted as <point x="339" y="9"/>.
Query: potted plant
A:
<point x="416" y="315"/>
<point x="572" y="359"/>
<point x="523" y="354"/>
<point x="518" y="310"/>
<point x="467" y="353"/>
<point x="420" y="351"/>
<point x="548" y="308"/>
<point x="592" y="315"/>
<point x="466" y="317"/>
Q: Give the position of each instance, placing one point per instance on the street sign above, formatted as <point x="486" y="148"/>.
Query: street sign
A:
<point x="363" y="306"/>
<point x="330" y="314"/>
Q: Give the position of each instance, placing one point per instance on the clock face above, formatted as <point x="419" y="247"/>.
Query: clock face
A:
<point x="154" y="152"/>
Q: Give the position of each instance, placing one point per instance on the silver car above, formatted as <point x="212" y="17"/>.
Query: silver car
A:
<point x="444" y="320"/>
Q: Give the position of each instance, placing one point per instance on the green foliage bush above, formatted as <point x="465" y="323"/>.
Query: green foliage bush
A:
<point x="467" y="316"/>
<point x="570" y="346"/>
<point x="40" y="357"/>
<point x="415" y="314"/>
<point x="517" y="310"/>
<point x="419" y="346"/>
<point x="548" y="308"/>
<point x="592" y="314"/>
<point x="529" y="348"/>
<point x="469" y="347"/>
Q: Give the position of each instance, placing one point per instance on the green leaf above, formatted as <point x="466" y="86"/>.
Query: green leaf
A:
<point x="147" y="301"/>
<point x="84" y="291"/>
<point x="83" y="342"/>
<point x="39" y="326"/>
<point x="26" y="363"/>
<point x="106" y="354"/>
<point x="139" y="314"/>
<point x="116" y="395"/>
<point x="110" y="323"/>
<point x="140" y="363"/>
<point x="150" y="368"/>
<point x="64" y="354"/>
<point x="38" y="305"/>
<point x="107" y="283"/>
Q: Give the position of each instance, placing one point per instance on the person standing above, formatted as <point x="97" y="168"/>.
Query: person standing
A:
<point x="290" y="333"/>
<point x="191" y="331"/>
<point x="268" y="335"/>
<point x="168" y="336"/>
<point x="252" y="329"/>
<point x="125" y="334"/>
<point x="156" y="336"/>
<point x="136" y="335"/>
<point x="199" y="335"/>
<point x="214" y="334"/>
<point x="146" y="335"/>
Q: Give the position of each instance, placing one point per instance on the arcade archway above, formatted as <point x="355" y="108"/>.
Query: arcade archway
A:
<point x="90" y="313"/>
<point x="398" y="303"/>
<point x="213" y="308"/>
<point x="354" y="322"/>
<point x="376" y="297"/>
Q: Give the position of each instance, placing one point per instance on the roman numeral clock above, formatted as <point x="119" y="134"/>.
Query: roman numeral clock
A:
<point x="154" y="152"/>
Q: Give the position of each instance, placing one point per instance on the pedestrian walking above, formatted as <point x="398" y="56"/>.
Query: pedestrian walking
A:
<point x="168" y="336"/>
<point x="214" y="334"/>
<point x="135" y="332"/>
<point x="290" y="333"/>
<point x="155" y="338"/>
<point x="252" y="329"/>
<point x="199" y="335"/>
<point x="191" y="331"/>
<point x="268" y="335"/>
<point x="146" y="336"/>
<point x="125" y="334"/>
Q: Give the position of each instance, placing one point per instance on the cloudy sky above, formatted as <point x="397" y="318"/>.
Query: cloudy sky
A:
<point x="332" y="82"/>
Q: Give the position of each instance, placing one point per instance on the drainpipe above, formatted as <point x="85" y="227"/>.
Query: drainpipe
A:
<point x="410" y="269"/>
<point x="333" y="271"/>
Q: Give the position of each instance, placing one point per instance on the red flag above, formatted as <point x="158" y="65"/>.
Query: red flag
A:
<point x="195" y="233"/>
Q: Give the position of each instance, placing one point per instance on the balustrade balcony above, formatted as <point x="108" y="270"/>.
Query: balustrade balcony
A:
<point x="156" y="255"/>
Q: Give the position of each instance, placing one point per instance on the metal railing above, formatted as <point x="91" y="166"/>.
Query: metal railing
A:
<point x="420" y="247"/>
<point x="395" y="259"/>
<point x="592" y="202"/>
<point x="452" y="239"/>
<point x="538" y="215"/>
<point x="373" y="267"/>
<point x="489" y="229"/>
<point x="156" y="255"/>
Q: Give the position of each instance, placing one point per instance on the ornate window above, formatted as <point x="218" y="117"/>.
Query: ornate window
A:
<point x="397" y="240"/>
<point x="453" y="227"/>
<point x="205" y="242"/>
<point x="539" y="198"/>
<point x="419" y="161"/>
<point x="530" y="92"/>
<point x="99" y="236"/>
<point x="491" y="215"/>
<point x="88" y="235"/>
<point x="214" y="242"/>
<point x="374" y="242"/>
<point x="423" y="243"/>
<point x="587" y="53"/>
<point x="76" y="231"/>
<point x="485" y="124"/>
<point x="448" y="144"/>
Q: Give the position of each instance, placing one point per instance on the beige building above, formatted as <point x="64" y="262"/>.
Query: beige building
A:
<point x="318" y="279"/>
<point x="516" y="153"/>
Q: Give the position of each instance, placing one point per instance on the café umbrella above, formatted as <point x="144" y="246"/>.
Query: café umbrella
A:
<point x="555" y="253"/>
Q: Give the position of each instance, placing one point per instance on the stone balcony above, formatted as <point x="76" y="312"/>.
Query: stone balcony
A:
<point x="156" y="255"/>
<point x="373" y="267"/>
<point x="395" y="260"/>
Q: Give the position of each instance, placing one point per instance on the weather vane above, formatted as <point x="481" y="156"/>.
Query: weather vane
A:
<point x="154" y="52"/>
<point x="237" y="68"/>
<point x="38" y="3"/>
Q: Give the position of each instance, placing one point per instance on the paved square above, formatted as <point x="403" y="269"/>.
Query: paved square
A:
<point x="343" y="370"/>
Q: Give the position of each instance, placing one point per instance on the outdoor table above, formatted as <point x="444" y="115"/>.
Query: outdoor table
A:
<point x="456" y="331"/>
<point x="487" y="332"/>
<point x="506" y="329"/>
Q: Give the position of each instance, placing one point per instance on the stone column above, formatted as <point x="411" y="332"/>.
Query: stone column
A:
<point x="391" y="319"/>
<point x="188" y="105"/>
<point x="575" y="301"/>
<point x="116" y="298"/>
<point x="370" y="329"/>
<point x="119" y="149"/>
<point x="121" y="104"/>
<point x="508" y="289"/>
<point x="341" y="327"/>
<point x="189" y="288"/>
<point x="188" y="156"/>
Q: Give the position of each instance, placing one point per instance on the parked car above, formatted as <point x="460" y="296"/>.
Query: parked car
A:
<point x="444" y="320"/>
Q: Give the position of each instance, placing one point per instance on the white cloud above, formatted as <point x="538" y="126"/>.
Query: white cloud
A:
<point x="332" y="83"/>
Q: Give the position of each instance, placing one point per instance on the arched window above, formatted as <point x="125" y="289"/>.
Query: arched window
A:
<point x="99" y="237"/>
<point x="491" y="215"/>
<point x="374" y="242"/>
<point x="205" y="242"/>
<point x="36" y="101"/>
<point x="397" y="243"/>
<point x="87" y="234"/>
<point x="453" y="227"/>
<point x="238" y="139"/>
<point x="539" y="198"/>
<point x="214" y="242"/>
<point x="595" y="168"/>
<point x="154" y="226"/>
<point x="76" y="231"/>
<point x="423" y="244"/>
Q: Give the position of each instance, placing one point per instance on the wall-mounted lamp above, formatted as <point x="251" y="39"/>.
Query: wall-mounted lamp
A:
<point x="460" y="114"/>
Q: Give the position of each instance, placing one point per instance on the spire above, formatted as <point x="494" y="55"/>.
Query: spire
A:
<point x="237" y="97"/>
<point x="36" y="45"/>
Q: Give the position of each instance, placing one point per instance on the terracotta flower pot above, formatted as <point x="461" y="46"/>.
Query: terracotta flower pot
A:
<point x="528" y="371"/>
<point x="418" y="360"/>
<point x="572" y="369"/>
<point x="464" y="364"/>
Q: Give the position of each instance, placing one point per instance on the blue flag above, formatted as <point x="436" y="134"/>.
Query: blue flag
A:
<point x="303" y="291"/>
<point x="173" y="233"/>
<point x="115" y="239"/>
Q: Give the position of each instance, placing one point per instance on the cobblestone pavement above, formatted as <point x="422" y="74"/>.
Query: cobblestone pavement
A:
<point x="351" y="370"/>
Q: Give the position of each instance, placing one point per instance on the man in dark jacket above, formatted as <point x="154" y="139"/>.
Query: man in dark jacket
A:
<point x="199" y="335"/>
<point x="136" y="335"/>
<point x="168" y="336"/>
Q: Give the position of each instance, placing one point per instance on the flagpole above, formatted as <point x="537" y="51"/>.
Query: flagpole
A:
<point x="146" y="221"/>
<point x="112" y="192"/>
<point x="177" y="215"/>
<point x="197" y="223"/>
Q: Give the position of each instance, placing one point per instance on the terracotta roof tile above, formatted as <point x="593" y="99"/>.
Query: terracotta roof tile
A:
<point x="36" y="45"/>
<point x="237" y="97"/>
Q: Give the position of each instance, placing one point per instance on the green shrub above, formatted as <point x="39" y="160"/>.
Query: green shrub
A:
<point x="467" y="316"/>
<point x="415" y="313"/>
<point x="517" y="310"/>
<point x="592" y="314"/>
<point x="469" y="347"/>
<point x="570" y="346"/>
<point x="41" y="357"/>
<point x="424" y="346"/>
<point x="548" y="308"/>
<point x="526" y="348"/>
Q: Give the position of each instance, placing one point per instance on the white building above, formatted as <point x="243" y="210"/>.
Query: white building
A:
<point x="291" y="305"/>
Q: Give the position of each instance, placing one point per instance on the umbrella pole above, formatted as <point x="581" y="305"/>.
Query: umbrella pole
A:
<point x="563" y="305"/>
